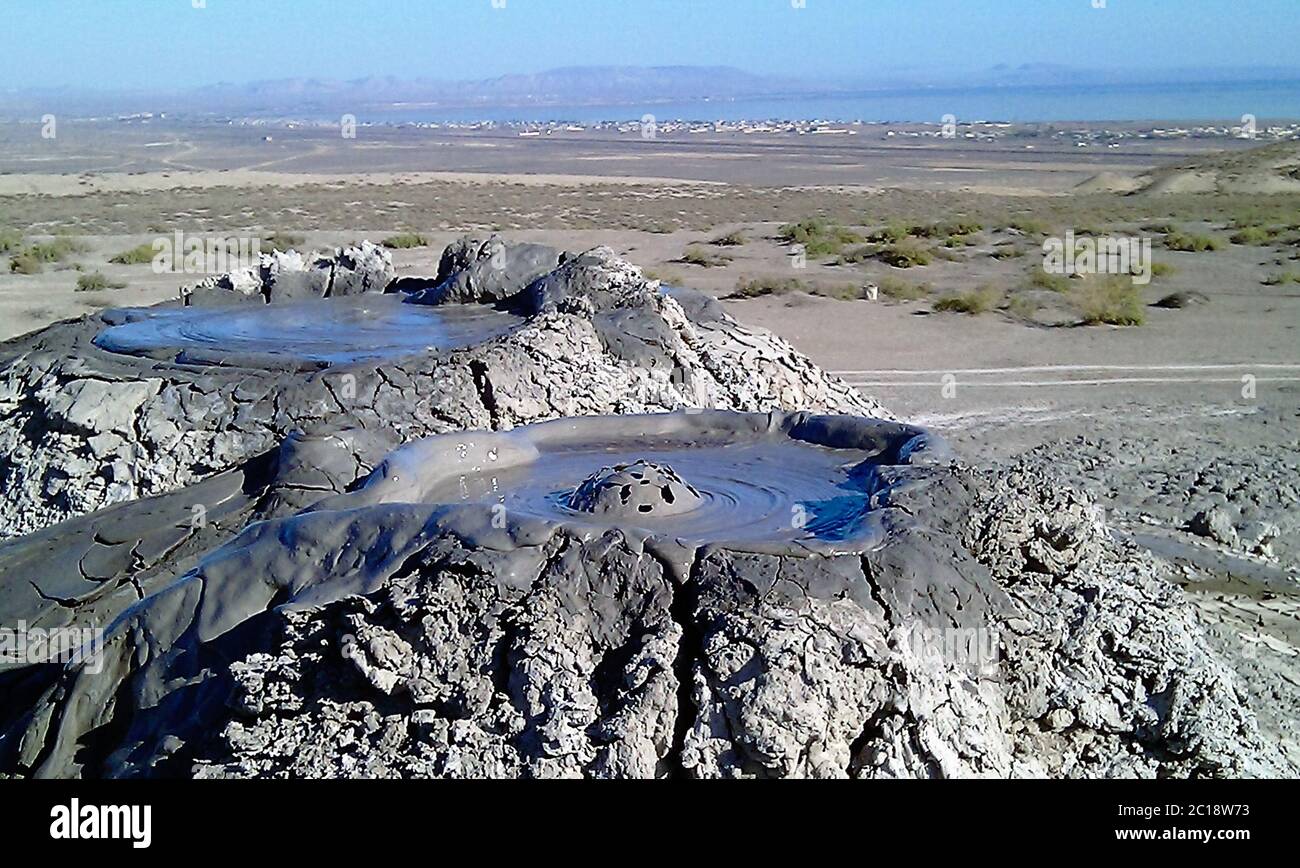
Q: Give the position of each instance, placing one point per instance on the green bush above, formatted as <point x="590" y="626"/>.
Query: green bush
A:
<point x="731" y="239"/>
<point x="95" y="281"/>
<point x="756" y="287"/>
<point x="1111" y="300"/>
<point x="1023" y="306"/>
<point x="55" y="250"/>
<point x="25" y="263"/>
<point x="668" y="277"/>
<point x="944" y="229"/>
<point x="891" y="234"/>
<point x="753" y="288"/>
<point x="706" y="258"/>
<point x="1254" y="235"/>
<point x="405" y="241"/>
<point x="135" y="256"/>
<point x="1046" y="280"/>
<point x="820" y="238"/>
<point x="1162" y="269"/>
<point x="904" y="254"/>
<point x="1090" y="231"/>
<point x="1027" y="226"/>
<point x="10" y="241"/>
<point x="979" y="300"/>
<point x="858" y="254"/>
<point x="283" y="241"/>
<point x="1190" y="243"/>
<point x="898" y="289"/>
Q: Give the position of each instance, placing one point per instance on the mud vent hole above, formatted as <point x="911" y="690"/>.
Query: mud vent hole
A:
<point x="639" y="488"/>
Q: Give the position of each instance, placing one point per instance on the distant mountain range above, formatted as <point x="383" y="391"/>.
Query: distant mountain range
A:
<point x="572" y="85"/>
<point x="577" y="86"/>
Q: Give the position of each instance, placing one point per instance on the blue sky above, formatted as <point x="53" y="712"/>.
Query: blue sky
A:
<point x="165" y="44"/>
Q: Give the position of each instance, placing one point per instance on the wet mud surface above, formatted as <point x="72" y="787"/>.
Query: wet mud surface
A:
<point x="323" y="332"/>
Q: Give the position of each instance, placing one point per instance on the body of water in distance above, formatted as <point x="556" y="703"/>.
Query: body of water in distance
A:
<point x="1226" y="102"/>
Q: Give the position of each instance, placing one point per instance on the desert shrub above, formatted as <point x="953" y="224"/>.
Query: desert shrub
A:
<point x="1023" y="306"/>
<point x="25" y="263"/>
<point x="95" y="282"/>
<point x="820" y="238"/>
<point x="405" y="241"/>
<point x="1110" y="300"/>
<point x="1088" y="230"/>
<point x="10" y="241"/>
<point x="801" y="232"/>
<point x="1255" y="235"/>
<point x="667" y="277"/>
<point x="1046" y="280"/>
<point x="755" y="287"/>
<point x="944" y="229"/>
<point x="731" y="239"/>
<point x="964" y="227"/>
<point x="859" y="254"/>
<point x="1190" y="243"/>
<point x="1027" y="226"/>
<point x="135" y="256"/>
<point x="904" y="254"/>
<point x="979" y="300"/>
<point x="55" y="250"/>
<point x="1162" y="269"/>
<point x="1006" y="250"/>
<point x="898" y="289"/>
<point x="283" y="241"/>
<point x="891" y="234"/>
<point x="1282" y="277"/>
<point x="706" y="258"/>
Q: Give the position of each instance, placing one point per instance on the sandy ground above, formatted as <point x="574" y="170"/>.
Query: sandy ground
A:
<point x="1197" y="406"/>
<point x="867" y="155"/>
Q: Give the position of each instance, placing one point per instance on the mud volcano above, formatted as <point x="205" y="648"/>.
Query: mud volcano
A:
<point x="309" y="335"/>
<point x="312" y="564"/>
<point x="499" y="604"/>
<point x="125" y="405"/>
<point x="752" y="482"/>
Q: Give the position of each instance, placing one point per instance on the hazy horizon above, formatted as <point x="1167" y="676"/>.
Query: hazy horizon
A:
<point x="172" y="46"/>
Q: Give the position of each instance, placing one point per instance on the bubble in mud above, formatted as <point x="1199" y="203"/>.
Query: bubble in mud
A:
<point x="641" y="488"/>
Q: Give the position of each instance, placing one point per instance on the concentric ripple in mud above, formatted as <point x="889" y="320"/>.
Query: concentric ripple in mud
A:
<point x="323" y="331"/>
<point x="759" y="491"/>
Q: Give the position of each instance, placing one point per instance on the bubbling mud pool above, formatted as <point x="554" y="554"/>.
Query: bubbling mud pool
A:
<point x="742" y="493"/>
<point x="320" y="332"/>
<point x="700" y="478"/>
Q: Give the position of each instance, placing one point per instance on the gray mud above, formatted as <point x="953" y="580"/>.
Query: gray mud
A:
<point x="704" y="477"/>
<point x="318" y="333"/>
<point x="82" y="428"/>
<point x="990" y="628"/>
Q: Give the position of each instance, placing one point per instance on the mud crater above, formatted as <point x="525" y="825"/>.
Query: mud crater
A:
<point x="321" y="332"/>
